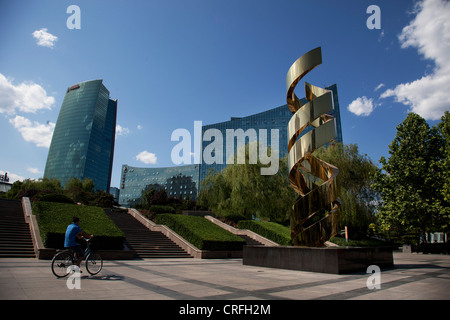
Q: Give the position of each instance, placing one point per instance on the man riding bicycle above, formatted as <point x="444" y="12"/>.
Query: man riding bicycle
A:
<point x="72" y="233"/>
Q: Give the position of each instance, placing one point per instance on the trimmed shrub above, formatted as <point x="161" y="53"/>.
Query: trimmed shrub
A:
<point x="201" y="232"/>
<point x="53" y="219"/>
<point x="161" y="209"/>
<point x="56" y="198"/>
<point x="235" y="218"/>
<point x="368" y="242"/>
<point x="270" y="230"/>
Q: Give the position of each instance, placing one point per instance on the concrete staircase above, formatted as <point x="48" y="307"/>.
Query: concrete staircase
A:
<point x="15" y="236"/>
<point x="146" y="243"/>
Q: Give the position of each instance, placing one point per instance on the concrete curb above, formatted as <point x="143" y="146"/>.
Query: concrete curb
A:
<point x="243" y="232"/>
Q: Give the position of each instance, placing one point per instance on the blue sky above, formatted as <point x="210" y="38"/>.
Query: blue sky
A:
<point x="170" y="63"/>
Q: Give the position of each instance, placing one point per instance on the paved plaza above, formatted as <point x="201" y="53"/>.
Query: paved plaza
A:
<point x="415" y="276"/>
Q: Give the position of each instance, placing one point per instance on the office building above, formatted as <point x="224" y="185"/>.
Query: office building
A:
<point x="83" y="140"/>
<point x="179" y="182"/>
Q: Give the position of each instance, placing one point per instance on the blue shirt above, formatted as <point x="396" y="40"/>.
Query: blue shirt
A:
<point x="71" y="233"/>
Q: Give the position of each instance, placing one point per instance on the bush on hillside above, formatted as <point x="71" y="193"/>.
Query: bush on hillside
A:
<point x="270" y="230"/>
<point x="56" y="198"/>
<point x="161" y="209"/>
<point x="53" y="219"/>
<point x="201" y="232"/>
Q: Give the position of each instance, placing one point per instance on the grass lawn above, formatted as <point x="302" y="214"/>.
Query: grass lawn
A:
<point x="53" y="219"/>
<point x="201" y="232"/>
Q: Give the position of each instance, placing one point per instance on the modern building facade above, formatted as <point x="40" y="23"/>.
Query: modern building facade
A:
<point x="179" y="181"/>
<point x="277" y="118"/>
<point x="83" y="140"/>
<point x="5" y="185"/>
<point x="185" y="180"/>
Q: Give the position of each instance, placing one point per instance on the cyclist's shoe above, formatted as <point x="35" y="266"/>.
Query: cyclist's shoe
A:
<point x="77" y="269"/>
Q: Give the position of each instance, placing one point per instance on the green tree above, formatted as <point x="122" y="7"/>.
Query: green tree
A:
<point x="410" y="182"/>
<point x="152" y="195"/>
<point x="102" y="199"/>
<point x="444" y="129"/>
<point x="358" y="198"/>
<point x="240" y="189"/>
<point x="34" y="188"/>
<point x="80" y="191"/>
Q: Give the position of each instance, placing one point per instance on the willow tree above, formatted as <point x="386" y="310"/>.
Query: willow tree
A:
<point x="241" y="189"/>
<point x="356" y="173"/>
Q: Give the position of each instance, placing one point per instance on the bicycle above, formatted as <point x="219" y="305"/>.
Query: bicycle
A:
<point x="62" y="261"/>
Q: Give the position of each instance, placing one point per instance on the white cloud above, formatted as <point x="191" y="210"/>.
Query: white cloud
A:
<point x="25" y="97"/>
<point x="381" y="85"/>
<point x="146" y="157"/>
<point x="139" y="127"/>
<point x="429" y="33"/>
<point x="381" y="36"/>
<point x="121" y="131"/>
<point x="44" y="38"/>
<point x="361" y="106"/>
<point x="34" y="170"/>
<point x="39" y="134"/>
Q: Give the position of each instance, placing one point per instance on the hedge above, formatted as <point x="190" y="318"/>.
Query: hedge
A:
<point x="161" y="209"/>
<point x="201" y="232"/>
<point x="359" y="243"/>
<point x="53" y="197"/>
<point x="270" y="230"/>
<point x="53" y="219"/>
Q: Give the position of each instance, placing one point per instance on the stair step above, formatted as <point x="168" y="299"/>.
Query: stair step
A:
<point x="15" y="251"/>
<point x="164" y="255"/>
<point x="15" y="236"/>
<point x="16" y="244"/>
<point x="146" y="243"/>
<point x="17" y="255"/>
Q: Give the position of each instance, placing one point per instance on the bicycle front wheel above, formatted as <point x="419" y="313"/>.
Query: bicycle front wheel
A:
<point x="61" y="263"/>
<point x="94" y="263"/>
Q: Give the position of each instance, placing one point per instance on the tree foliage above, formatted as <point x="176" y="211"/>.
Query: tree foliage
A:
<point x="155" y="196"/>
<point x="444" y="128"/>
<point x="79" y="191"/>
<point x="356" y="173"/>
<point x="240" y="189"/>
<point x="412" y="181"/>
<point x="32" y="188"/>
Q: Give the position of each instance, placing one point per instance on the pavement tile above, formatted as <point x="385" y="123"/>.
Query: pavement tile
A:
<point x="413" y="277"/>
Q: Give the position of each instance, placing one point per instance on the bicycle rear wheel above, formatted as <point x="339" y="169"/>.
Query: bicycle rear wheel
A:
<point x="94" y="263"/>
<point x="61" y="263"/>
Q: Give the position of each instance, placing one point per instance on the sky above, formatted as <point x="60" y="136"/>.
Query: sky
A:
<point x="170" y="63"/>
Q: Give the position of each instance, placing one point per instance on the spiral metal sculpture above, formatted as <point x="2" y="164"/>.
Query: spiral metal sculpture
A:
<point x="315" y="214"/>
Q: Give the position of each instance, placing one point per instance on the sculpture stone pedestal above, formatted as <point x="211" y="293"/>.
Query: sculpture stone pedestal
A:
<point x="336" y="260"/>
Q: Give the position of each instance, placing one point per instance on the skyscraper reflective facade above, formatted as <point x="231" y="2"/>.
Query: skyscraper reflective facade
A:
<point x="83" y="140"/>
<point x="178" y="181"/>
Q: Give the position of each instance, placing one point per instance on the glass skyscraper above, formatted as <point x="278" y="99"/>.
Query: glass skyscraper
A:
<point x="178" y="181"/>
<point x="83" y="140"/>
